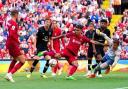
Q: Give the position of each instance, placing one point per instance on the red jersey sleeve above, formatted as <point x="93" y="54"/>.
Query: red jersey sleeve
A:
<point x="85" y="39"/>
<point x="68" y="35"/>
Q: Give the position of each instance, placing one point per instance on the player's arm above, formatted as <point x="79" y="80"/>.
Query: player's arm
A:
<point x="117" y="57"/>
<point x="110" y="41"/>
<point x="93" y="45"/>
<point x="91" y="41"/>
<point x="96" y="42"/>
<point x="57" y="37"/>
<point x="63" y="35"/>
<point x="115" y="62"/>
<point x="34" y="43"/>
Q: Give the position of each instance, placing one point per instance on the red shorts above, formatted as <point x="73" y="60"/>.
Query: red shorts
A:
<point x="68" y="55"/>
<point x="57" y="49"/>
<point x="13" y="48"/>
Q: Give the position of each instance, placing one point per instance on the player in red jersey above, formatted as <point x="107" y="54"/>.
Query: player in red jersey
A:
<point x="71" y="50"/>
<point x="12" y="45"/>
<point x="55" y="45"/>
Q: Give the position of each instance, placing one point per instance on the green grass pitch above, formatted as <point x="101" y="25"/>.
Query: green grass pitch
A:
<point x="114" y="80"/>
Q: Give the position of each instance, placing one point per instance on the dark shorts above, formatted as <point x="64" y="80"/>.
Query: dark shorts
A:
<point x="13" y="48"/>
<point x="90" y="53"/>
<point x="40" y="49"/>
<point x="100" y="50"/>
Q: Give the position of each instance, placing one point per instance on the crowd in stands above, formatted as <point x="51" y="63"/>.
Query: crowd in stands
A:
<point x="121" y="30"/>
<point x="65" y="12"/>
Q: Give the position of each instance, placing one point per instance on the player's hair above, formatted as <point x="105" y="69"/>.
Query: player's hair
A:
<point x="14" y="12"/>
<point x="79" y="26"/>
<point x="103" y="20"/>
<point x="115" y="40"/>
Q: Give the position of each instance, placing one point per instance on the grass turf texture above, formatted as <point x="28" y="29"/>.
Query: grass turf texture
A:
<point x="113" y="80"/>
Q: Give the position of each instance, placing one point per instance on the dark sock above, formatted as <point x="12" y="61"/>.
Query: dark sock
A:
<point x="94" y="66"/>
<point x="46" y="66"/>
<point x="89" y="64"/>
<point x="33" y="65"/>
<point x="98" y="62"/>
<point x="97" y="69"/>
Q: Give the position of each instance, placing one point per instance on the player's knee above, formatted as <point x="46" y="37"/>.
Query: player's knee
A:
<point x="75" y="63"/>
<point x="47" y="57"/>
<point x="57" y="55"/>
<point x="22" y="60"/>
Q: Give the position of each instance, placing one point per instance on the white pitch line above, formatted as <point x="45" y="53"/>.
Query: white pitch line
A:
<point x="122" y="88"/>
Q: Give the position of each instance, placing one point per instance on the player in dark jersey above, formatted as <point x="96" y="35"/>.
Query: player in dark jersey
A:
<point x="43" y="36"/>
<point x="91" y="49"/>
<point x="99" y="49"/>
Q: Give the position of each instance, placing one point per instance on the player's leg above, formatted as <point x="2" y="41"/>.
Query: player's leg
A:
<point x="36" y="60"/>
<point x="47" y="58"/>
<point x="12" y="64"/>
<point x="57" y="68"/>
<point x="98" y="61"/>
<point x="34" y="65"/>
<point x="12" y="53"/>
<point x="39" y="54"/>
<point x="89" y="55"/>
<point x="60" y="68"/>
<point x="101" y="66"/>
<point x="21" y="60"/>
<point x="73" y="67"/>
<point x="17" y="55"/>
<point x="54" y="69"/>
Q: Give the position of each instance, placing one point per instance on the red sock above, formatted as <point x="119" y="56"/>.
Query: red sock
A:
<point x="16" y="67"/>
<point x="12" y="64"/>
<point x="54" y="69"/>
<point x="72" y="70"/>
<point x="60" y="66"/>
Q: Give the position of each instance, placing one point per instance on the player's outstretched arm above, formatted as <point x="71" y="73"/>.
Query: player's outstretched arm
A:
<point x="105" y="36"/>
<point x="57" y="37"/>
<point x="96" y="42"/>
<point x="115" y="62"/>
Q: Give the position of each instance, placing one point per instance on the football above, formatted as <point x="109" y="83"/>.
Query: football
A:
<point x="52" y="62"/>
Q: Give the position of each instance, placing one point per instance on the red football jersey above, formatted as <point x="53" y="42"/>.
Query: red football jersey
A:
<point x="13" y="31"/>
<point x="75" y="42"/>
<point x="56" y="42"/>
